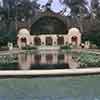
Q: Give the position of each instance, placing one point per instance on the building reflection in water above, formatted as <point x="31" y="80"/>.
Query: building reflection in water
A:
<point x="24" y="61"/>
<point x="45" y="60"/>
<point x="37" y="58"/>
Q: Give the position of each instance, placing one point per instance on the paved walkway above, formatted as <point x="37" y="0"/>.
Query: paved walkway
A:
<point x="96" y="51"/>
<point x="57" y="72"/>
<point x="15" y="51"/>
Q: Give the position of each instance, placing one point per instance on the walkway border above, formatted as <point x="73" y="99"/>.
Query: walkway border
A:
<point x="57" y="72"/>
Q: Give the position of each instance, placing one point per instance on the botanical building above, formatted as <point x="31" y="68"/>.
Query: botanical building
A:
<point x="49" y="30"/>
<point x="24" y="38"/>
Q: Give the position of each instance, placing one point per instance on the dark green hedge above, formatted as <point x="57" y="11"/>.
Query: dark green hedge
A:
<point x="94" y="38"/>
<point x="28" y="48"/>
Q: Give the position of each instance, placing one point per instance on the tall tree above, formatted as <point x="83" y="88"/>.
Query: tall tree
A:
<point x="76" y="6"/>
<point x="78" y="10"/>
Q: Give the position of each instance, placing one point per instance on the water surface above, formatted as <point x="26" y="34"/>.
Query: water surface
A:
<point x="39" y="60"/>
<point x="56" y="88"/>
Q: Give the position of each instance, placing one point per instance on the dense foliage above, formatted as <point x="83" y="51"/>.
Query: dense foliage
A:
<point x="65" y="47"/>
<point x="88" y="59"/>
<point x="29" y="48"/>
<point x="94" y="38"/>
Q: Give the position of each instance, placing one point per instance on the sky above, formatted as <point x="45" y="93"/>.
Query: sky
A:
<point x="88" y="6"/>
<point x="57" y="6"/>
<point x="1" y="2"/>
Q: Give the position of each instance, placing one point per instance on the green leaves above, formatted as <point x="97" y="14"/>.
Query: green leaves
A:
<point x="94" y="38"/>
<point x="88" y="59"/>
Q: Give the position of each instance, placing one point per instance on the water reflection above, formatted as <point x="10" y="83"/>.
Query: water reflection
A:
<point x="37" y="58"/>
<point x="46" y="60"/>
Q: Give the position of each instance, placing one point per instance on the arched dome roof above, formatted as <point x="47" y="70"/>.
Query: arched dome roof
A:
<point x="74" y="31"/>
<point x="23" y="31"/>
<point x="48" y="24"/>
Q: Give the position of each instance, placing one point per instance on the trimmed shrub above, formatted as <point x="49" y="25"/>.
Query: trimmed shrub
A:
<point x="65" y="47"/>
<point x="28" y="48"/>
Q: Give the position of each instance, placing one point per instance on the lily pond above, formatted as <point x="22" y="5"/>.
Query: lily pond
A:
<point x="48" y="60"/>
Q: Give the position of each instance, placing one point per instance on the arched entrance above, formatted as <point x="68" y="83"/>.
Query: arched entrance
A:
<point x="23" y="41"/>
<point x="37" y="41"/>
<point x="23" y="37"/>
<point x="60" y="40"/>
<point x="74" y="40"/>
<point x="49" y="41"/>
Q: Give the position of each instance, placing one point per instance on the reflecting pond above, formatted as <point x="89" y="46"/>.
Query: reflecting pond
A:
<point x="46" y="88"/>
<point x="48" y="60"/>
<point x="38" y="60"/>
<point x="56" y="88"/>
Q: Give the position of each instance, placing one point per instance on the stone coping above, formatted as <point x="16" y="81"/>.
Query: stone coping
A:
<point x="64" y="72"/>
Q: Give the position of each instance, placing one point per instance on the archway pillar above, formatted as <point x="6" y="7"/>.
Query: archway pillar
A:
<point x="33" y="40"/>
<point x="54" y="38"/>
<point x="65" y="39"/>
<point x="28" y="40"/>
<point x="79" y="40"/>
<point x="43" y="42"/>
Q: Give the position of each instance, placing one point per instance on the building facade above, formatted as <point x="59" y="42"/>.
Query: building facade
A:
<point x="24" y="38"/>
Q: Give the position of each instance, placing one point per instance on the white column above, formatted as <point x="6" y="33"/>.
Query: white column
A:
<point x="69" y="39"/>
<point x="79" y="40"/>
<point x="33" y="40"/>
<point x="65" y="39"/>
<point x="54" y="37"/>
<point x="43" y="40"/>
